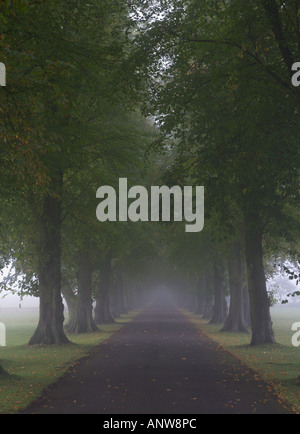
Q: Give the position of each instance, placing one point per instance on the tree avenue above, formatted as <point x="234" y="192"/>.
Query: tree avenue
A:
<point x="107" y="102"/>
<point x="235" y="121"/>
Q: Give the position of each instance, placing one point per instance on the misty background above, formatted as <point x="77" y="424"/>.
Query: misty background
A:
<point x="280" y="286"/>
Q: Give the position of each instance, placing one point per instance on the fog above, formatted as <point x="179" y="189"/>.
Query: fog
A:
<point x="162" y="296"/>
<point x="10" y="301"/>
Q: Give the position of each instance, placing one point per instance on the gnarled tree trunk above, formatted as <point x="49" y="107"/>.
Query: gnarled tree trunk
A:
<point x="220" y="309"/>
<point x="236" y="319"/>
<point x="84" y="322"/>
<point x="120" y="293"/>
<point x="208" y="303"/>
<point x="117" y="300"/>
<point x="102" y="309"/>
<point x="261" y="324"/>
<point x="71" y="301"/>
<point x="200" y="299"/>
<point x="50" y="329"/>
<point x="246" y="298"/>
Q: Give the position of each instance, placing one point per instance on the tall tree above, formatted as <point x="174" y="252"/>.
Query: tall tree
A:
<point x="236" y="321"/>
<point x="50" y="118"/>
<point x="215" y="81"/>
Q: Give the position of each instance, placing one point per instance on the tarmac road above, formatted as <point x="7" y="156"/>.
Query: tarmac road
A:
<point x="159" y="364"/>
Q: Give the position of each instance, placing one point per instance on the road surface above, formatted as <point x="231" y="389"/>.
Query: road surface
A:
<point x="159" y="364"/>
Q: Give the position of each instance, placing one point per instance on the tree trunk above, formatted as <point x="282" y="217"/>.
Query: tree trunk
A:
<point x="208" y="309"/>
<point x="128" y="290"/>
<point x="114" y="308"/>
<point x="246" y="299"/>
<point x="50" y="329"/>
<point x="235" y="322"/>
<point x="208" y="303"/>
<point x="199" y="307"/>
<point x="133" y="298"/>
<point x="118" y="306"/>
<point x="261" y="324"/>
<point x="120" y="291"/>
<point x="71" y="301"/>
<point x="102" y="310"/>
<point x="220" y="309"/>
<point x="84" y="310"/>
<point x="127" y="297"/>
<point x="272" y="10"/>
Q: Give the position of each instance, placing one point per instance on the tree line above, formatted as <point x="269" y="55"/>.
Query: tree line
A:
<point x="177" y="92"/>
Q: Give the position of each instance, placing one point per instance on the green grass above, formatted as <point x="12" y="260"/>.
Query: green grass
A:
<point x="277" y="364"/>
<point x="32" y="369"/>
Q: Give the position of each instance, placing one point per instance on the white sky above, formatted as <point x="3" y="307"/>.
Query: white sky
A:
<point x="13" y="301"/>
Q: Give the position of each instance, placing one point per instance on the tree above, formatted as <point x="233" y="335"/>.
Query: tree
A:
<point x="224" y="97"/>
<point x="236" y="321"/>
<point x="50" y="327"/>
<point x="102" y="309"/>
<point x="55" y="90"/>
<point x="84" y="312"/>
<point x="118" y="152"/>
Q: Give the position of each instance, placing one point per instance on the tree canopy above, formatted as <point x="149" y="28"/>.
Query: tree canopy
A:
<point x="160" y="92"/>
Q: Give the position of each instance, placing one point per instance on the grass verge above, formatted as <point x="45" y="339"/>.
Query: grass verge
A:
<point x="32" y="369"/>
<point x="278" y="364"/>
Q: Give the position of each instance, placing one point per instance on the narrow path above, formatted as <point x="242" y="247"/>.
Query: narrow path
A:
<point x="159" y="364"/>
